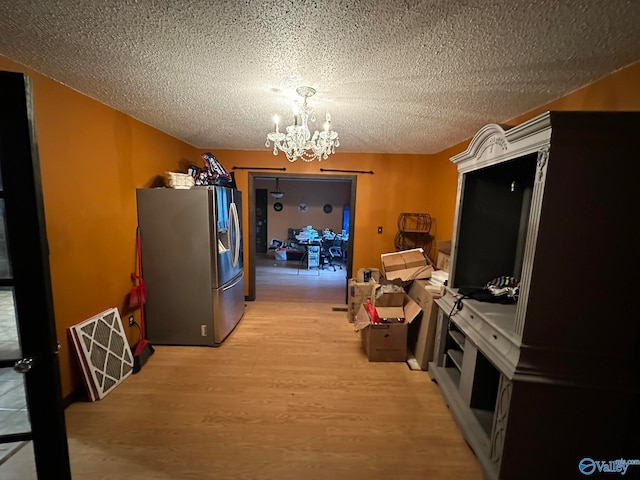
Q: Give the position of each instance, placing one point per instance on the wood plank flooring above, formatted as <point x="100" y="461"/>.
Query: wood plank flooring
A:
<point x="284" y="280"/>
<point x="289" y="395"/>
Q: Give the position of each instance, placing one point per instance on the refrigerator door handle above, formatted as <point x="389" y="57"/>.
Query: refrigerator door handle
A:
<point x="240" y="278"/>
<point x="233" y="217"/>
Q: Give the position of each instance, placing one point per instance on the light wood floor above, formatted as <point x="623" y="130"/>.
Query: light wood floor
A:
<point x="289" y="395"/>
<point x="280" y="280"/>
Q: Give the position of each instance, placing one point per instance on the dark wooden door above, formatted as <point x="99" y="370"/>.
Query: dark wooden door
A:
<point x="261" y="220"/>
<point x="28" y="357"/>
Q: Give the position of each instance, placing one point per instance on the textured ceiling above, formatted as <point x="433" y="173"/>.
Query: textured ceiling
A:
<point x="396" y="76"/>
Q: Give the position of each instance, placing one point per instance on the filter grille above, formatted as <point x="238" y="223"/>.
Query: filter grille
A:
<point x="103" y="352"/>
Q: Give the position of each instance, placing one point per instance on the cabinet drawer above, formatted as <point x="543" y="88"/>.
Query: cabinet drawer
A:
<point x="496" y="339"/>
<point x="493" y="343"/>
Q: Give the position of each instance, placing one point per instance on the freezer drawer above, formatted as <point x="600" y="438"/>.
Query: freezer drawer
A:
<point x="228" y="308"/>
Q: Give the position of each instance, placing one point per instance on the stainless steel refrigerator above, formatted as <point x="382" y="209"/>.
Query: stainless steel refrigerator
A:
<point x="191" y="243"/>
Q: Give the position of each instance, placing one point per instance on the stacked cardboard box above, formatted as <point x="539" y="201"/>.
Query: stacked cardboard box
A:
<point x="425" y="329"/>
<point x="406" y="265"/>
<point x="444" y="256"/>
<point x="387" y="341"/>
<point x="359" y="292"/>
<point x="368" y="275"/>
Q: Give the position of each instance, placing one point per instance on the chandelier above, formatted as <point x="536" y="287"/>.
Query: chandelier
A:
<point x="297" y="142"/>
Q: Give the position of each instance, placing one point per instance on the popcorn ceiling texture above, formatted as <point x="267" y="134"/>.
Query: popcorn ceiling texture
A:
<point x="396" y="76"/>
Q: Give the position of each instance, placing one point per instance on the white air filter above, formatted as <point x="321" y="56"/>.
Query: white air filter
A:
<point x="103" y="352"/>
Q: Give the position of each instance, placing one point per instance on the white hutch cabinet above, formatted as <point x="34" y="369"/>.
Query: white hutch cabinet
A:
<point x="542" y="384"/>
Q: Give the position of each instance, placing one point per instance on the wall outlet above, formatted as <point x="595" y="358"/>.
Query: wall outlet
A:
<point x="131" y="321"/>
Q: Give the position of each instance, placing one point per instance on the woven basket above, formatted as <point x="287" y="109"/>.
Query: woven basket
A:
<point x="179" y="180"/>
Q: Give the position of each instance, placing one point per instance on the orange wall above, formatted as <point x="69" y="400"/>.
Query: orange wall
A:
<point x="92" y="158"/>
<point x="400" y="183"/>
<point x="315" y="195"/>
<point x="421" y="183"/>
<point x="615" y="92"/>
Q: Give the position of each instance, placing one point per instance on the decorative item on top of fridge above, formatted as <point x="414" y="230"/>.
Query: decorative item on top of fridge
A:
<point x="213" y="173"/>
<point x="178" y="180"/>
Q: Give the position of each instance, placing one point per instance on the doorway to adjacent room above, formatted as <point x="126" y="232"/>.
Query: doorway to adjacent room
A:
<point x="309" y="201"/>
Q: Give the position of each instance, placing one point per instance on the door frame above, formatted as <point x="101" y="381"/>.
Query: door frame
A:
<point x="256" y="200"/>
<point x="352" y="179"/>
<point x="31" y="281"/>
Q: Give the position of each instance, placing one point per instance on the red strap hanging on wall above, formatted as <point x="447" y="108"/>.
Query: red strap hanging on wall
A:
<point x="138" y="294"/>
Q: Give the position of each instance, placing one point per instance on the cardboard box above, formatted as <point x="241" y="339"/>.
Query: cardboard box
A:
<point x="445" y="247"/>
<point x="406" y="265"/>
<point x="384" y="299"/>
<point x="443" y="260"/>
<point x="374" y="274"/>
<point x="386" y="342"/>
<point x="419" y="291"/>
<point x="413" y="258"/>
<point x="359" y="292"/>
<point x="392" y="262"/>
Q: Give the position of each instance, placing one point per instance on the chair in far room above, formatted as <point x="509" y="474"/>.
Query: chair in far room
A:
<point x="330" y="254"/>
<point x="337" y="254"/>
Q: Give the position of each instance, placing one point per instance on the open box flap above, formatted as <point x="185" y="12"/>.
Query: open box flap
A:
<point x="409" y="312"/>
<point x="390" y="312"/>
<point x="407" y="274"/>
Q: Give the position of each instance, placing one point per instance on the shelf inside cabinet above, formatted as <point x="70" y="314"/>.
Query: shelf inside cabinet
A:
<point x="485" y="419"/>
<point x="458" y="338"/>
<point x="454" y="374"/>
<point x="456" y="357"/>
